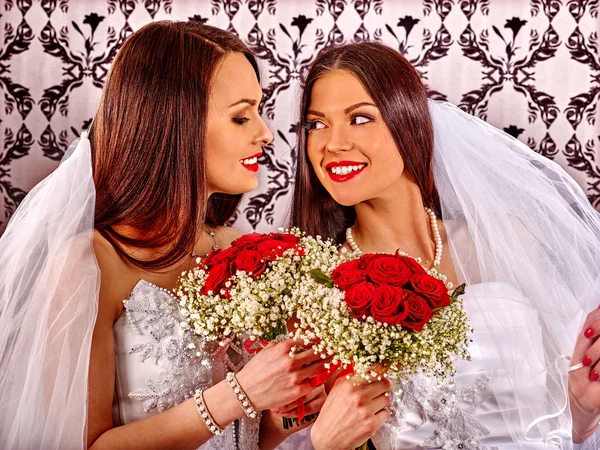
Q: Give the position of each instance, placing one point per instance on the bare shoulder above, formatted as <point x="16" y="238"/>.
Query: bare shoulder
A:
<point x="115" y="277"/>
<point x="226" y="235"/>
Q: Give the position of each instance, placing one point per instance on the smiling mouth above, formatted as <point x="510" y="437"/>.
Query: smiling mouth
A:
<point x="251" y="163"/>
<point x="344" y="170"/>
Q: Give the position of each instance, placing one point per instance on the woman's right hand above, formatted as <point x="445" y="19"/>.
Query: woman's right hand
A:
<point x="272" y="378"/>
<point x="354" y="410"/>
<point x="584" y="383"/>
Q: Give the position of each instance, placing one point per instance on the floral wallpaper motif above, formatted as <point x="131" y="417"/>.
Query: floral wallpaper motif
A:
<point x="529" y="67"/>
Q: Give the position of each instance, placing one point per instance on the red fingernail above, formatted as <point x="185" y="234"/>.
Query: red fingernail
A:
<point x="586" y="361"/>
<point x="589" y="332"/>
<point x="594" y="376"/>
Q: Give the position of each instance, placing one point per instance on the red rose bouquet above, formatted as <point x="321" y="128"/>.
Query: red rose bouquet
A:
<point x="380" y="308"/>
<point x="244" y="291"/>
<point x="241" y="290"/>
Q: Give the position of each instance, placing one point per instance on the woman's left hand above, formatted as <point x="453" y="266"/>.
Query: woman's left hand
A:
<point x="584" y="384"/>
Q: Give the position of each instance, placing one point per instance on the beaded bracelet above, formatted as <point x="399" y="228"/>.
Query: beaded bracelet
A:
<point x="205" y="415"/>
<point x="240" y="395"/>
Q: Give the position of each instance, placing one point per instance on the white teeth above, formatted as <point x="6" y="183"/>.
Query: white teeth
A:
<point x="345" y="170"/>
<point x="249" y="161"/>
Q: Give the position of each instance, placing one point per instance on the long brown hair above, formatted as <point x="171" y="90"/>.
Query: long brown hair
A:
<point x="397" y="90"/>
<point x="148" y="140"/>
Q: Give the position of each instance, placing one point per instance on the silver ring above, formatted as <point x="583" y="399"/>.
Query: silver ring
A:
<point x="575" y="367"/>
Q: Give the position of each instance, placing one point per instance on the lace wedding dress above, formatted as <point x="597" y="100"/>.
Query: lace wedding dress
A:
<point x="156" y="369"/>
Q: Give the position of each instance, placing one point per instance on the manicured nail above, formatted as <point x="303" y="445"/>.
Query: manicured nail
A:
<point x="586" y="361"/>
<point x="589" y="332"/>
<point x="594" y="376"/>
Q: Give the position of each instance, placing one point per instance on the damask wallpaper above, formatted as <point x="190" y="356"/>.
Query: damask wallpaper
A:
<point x="530" y="67"/>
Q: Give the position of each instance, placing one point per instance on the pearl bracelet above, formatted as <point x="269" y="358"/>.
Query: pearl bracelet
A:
<point x="240" y="395"/>
<point x="205" y="415"/>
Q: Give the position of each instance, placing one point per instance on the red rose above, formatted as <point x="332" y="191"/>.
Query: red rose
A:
<point x="217" y="276"/>
<point x="365" y="260"/>
<point x="359" y="299"/>
<point x="208" y="261"/>
<point x="432" y="289"/>
<point x="419" y="312"/>
<point x="388" y="305"/>
<point x="223" y="256"/>
<point x="348" y="266"/>
<point x="349" y="278"/>
<point x="290" y="239"/>
<point x="272" y="248"/>
<point x="412" y="263"/>
<point x="250" y="261"/>
<point x="388" y="269"/>
<point x="249" y="240"/>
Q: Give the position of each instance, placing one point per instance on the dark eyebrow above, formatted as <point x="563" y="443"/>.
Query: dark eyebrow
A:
<point x="346" y="111"/>
<point x="358" y="105"/>
<point x="250" y="101"/>
<point x="315" y="113"/>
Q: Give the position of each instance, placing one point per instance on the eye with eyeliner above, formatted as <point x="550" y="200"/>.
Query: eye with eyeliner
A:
<point x="353" y="118"/>
<point x="310" y="125"/>
<point x="240" y="120"/>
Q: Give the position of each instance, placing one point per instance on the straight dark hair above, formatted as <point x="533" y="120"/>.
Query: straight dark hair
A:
<point x="148" y="140"/>
<point x="397" y="90"/>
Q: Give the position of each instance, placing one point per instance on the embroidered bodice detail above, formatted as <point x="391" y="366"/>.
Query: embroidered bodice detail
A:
<point x="159" y="366"/>
<point x="183" y="368"/>
<point x="450" y="406"/>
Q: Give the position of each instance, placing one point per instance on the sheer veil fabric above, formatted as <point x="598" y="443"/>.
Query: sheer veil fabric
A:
<point x="516" y="218"/>
<point x="511" y="215"/>
<point x="49" y="284"/>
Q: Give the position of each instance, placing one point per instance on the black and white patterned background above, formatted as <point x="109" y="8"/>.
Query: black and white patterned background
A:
<point x="530" y="67"/>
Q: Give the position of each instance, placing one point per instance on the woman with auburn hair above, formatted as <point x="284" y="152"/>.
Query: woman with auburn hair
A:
<point x="90" y="354"/>
<point x="381" y="168"/>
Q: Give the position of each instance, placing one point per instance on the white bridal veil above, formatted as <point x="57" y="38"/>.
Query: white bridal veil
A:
<point x="49" y="283"/>
<point x="516" y="218"/>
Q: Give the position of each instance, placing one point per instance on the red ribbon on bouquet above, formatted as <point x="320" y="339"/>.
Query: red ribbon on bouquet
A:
<point x="318" y="380"/>
<point x="349" y="370"/>
<point x="248" y="346"/>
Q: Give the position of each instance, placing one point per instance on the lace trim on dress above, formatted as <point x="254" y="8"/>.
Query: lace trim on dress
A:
<point x="450" y="406"/>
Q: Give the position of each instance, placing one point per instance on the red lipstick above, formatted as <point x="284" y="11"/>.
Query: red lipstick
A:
<point x="340" y="178"/>
<point x="252" y="167"/>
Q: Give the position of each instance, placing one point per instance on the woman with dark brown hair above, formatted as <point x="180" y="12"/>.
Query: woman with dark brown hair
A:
<point x="380" y="169"/>
<point x="90" y="351"/>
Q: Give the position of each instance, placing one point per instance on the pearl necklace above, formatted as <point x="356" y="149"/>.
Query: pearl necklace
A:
<point x="436" y="236"/>
<point x="215" y="247"/>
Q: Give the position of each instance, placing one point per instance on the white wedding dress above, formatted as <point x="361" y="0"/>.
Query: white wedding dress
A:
<point x="156" y="370"/>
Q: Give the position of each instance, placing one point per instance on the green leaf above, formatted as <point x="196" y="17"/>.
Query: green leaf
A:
<point x="460" y="290"/>
<point x="321" y="278"/>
